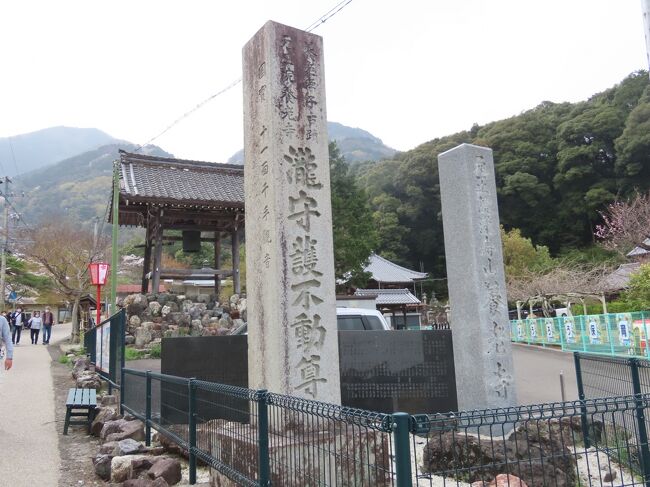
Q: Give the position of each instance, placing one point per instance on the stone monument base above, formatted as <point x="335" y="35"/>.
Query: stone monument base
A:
<point x="347" y="457"/>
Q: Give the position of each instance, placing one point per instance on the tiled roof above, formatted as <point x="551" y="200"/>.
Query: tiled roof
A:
<point x="180" y="181"/>
<point x="620" y="278"/>
<point x="389" y="296"/>
<point x="636" y="251"/>
<point x="383" y="270"/>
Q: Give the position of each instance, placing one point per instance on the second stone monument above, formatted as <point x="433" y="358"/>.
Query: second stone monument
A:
<point x="475" y="277"/>
<point x="292" y="337"/>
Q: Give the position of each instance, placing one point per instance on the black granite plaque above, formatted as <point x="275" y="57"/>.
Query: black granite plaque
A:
<point x="409" y="371"/>
<point x="386" y="371"/>
<point x="220" y="359"/>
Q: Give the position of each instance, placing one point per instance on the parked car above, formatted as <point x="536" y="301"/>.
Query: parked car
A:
<point x="360" y="319"/>
<point x="347" y="319"/>
<point x="413" y="321"/>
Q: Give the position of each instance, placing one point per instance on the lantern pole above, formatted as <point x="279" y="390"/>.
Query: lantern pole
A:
<point x="99" y="304"/>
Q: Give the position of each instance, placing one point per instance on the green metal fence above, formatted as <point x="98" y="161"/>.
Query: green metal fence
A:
<point x="257" y="438"/>
<point x="616" y="334"/>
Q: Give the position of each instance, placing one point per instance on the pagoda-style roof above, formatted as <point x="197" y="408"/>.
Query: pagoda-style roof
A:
<point x="190" y="191"/>
<point x="385" y="271"/>
<point x="389" y="296"/>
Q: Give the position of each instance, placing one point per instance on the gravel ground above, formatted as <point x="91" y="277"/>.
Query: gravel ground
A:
<point x="77" y="448"/>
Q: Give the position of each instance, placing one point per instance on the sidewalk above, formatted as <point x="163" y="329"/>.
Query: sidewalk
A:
<point x="28" y="430"/>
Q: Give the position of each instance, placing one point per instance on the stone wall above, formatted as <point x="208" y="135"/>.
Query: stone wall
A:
<point x="151" y="317"/>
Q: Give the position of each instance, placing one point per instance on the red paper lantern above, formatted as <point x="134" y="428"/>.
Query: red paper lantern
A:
<point x="98" y="277"/>
<point x="98" y="273"/>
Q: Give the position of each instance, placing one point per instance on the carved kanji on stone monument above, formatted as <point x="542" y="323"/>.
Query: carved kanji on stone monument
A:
<point x="293" y="345"/>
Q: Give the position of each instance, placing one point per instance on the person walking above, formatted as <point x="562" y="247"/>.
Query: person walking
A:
<point x="35" y="325"/>
<point x="6" y="343"/>
<point x="18" y="320"/>
<point x="48" y="321"/>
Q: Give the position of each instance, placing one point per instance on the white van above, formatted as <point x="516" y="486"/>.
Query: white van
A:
<point x="347" y="319"/>
<point x="350" y="319"/>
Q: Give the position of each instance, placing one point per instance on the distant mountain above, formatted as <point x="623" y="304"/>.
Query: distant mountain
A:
<point x="355" y="144"/>
<point x="43" y="147"/>
<point x="78" y="187"/>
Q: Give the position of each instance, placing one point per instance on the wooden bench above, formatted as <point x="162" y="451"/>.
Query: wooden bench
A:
<point x="82" y="403"/>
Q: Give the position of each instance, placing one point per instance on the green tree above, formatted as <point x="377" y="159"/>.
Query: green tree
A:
<point x="521" y="255"/>
<point x="637" y="296"/>
<point x="22" y="278"/>
<point x="355" y="236"/>
<point x="633" y="148"/>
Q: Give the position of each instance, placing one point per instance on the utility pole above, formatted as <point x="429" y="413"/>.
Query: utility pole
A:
<point x="5" y="242"/>
<point x="645" y="6"/>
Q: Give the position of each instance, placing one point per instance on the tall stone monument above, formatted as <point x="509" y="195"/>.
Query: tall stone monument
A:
<point x="475" y="276"/>
<point x="292" y="332"/>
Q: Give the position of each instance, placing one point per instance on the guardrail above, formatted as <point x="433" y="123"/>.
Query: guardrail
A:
<point x="615" y="334"/>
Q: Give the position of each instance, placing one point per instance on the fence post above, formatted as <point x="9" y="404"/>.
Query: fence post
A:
<point x="640" y="418"/>
<point x="192" y="430"/>
<point x="609" y="337"/>
<point x="122" y="391"/>
<point x="581" y="396"/>
<point x="401" y="429"/>
<point x="261" y="397"/>
<point x="147" y="424"/>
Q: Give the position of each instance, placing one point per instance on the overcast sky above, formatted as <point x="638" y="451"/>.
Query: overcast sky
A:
<point x="406" y="71"/>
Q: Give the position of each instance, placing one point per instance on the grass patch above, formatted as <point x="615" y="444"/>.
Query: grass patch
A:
<point x="64" y="359"/>
<point x="155" y="351"/>
<point x="133" y="354"/>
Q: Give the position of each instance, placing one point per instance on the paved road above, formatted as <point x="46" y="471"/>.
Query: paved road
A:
<point x="537" y="374"/>
<point x="30" y="453"/>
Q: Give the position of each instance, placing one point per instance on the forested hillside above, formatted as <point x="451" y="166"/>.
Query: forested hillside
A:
<point x="27" y="152"/>
<point x="557" y="165"/>
<point x="77" y="188"/>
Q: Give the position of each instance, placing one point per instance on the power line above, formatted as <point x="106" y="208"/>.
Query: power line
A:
<point x="331" y="13"/>
<point x="314" y="25"/>
<point x="188" y="113"/>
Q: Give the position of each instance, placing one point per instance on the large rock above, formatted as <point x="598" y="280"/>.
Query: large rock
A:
<point x="128" y="429"/>
<point x="165" y="311"/>
<point x="129" y="447"/>
<point x="196" y="311"/>
<point x="142" y="337"/>
<point x="502" y="480"/>
<point x="111" y="427"/>
<point x="534" y="452"/>
<point x="159" y="482"/>
<point x="134" y="321"/>
<point x="135" y="304"/>
<point x="102" y="415"/>
<point x="167" y="468"/>
<point x="155" y="308"/>
<point x="89" y="380"/>
<point x="178" y="318"/>
<point x="108" y="400"/>
<point x="80" y="365"/>
<point x="186" y="305"/>
<point x="121" y="467"/>
<point x="102" y="464"/>
<point x="225" y="321"/>
<point x="108" y="448"/>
